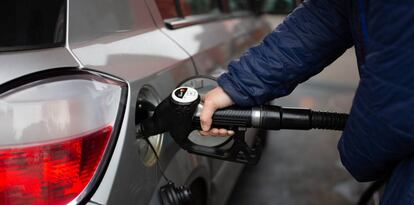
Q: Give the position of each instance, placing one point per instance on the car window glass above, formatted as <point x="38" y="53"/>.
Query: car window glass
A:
<point x="27" y="24"/>
<point x="238" y="5"/>
<point x="167" y="8"/>
<point x="196" y="7"/>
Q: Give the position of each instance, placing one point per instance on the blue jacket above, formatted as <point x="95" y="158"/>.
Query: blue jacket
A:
<point x="379" y="136"/>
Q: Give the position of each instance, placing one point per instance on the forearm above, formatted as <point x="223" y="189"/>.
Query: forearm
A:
<point x="309" y="39"/>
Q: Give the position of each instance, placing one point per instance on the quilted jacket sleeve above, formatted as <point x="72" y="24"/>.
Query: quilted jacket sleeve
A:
<point x="309" y="39"/>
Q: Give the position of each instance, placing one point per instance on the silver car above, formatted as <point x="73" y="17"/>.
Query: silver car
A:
<point x="73" y="76"/>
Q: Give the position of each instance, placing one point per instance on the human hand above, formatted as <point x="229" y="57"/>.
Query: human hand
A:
<point x="214" y="100"/>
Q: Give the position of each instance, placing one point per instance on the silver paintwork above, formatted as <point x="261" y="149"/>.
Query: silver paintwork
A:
<point x="20" y="63"/>
<point x="128" y="39"/>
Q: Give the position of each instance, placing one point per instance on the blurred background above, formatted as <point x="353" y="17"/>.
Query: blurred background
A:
<point x="303" y="167"/>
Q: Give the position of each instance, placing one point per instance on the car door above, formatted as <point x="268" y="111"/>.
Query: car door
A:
<point x="212" y="32"/>
<point x="121" y="38"/>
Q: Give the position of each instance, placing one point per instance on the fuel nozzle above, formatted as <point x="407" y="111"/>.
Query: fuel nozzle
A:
<point x="174" y="114"/>
<point x="179" y="114"/>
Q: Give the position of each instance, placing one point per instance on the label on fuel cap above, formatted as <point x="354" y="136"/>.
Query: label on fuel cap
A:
<point x="184" y="95"/>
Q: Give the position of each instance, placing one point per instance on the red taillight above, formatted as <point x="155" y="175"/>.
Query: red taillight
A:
<point x="51" y="173"/>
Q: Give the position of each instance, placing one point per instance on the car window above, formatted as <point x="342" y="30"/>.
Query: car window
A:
<point x="197" y="7"/>
<point x="167" y="8"/>
<point x="238" y="5"/>
<point x="27" y="24"/>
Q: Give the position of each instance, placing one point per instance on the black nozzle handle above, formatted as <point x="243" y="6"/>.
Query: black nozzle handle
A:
<point x="232" y="117"/>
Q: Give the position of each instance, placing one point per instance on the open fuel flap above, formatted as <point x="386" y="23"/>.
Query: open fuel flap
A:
<point x="147" y="101"/>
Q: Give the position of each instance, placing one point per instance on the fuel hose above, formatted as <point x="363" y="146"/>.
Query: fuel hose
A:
<point x="271" y="117"/>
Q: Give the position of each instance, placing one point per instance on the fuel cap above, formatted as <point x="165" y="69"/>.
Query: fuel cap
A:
<point x="184" y="95"/>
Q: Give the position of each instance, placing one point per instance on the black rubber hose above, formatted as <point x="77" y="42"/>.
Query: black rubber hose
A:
<point x="328" y="120"/>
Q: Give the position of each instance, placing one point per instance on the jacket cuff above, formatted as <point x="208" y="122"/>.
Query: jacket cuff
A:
<point x="229" y="86"/>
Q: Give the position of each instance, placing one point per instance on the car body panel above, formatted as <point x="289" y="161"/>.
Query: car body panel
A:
<point x="132" y="50"/>
<point x="212" y="45"/>
<point x="128" y="39"/>
<point x="209" y="53"/>
<point x="136" y="52"/>
<point x="20" y="63"/>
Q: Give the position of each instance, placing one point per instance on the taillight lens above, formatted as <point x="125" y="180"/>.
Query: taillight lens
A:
<point x="53" y="136"/>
